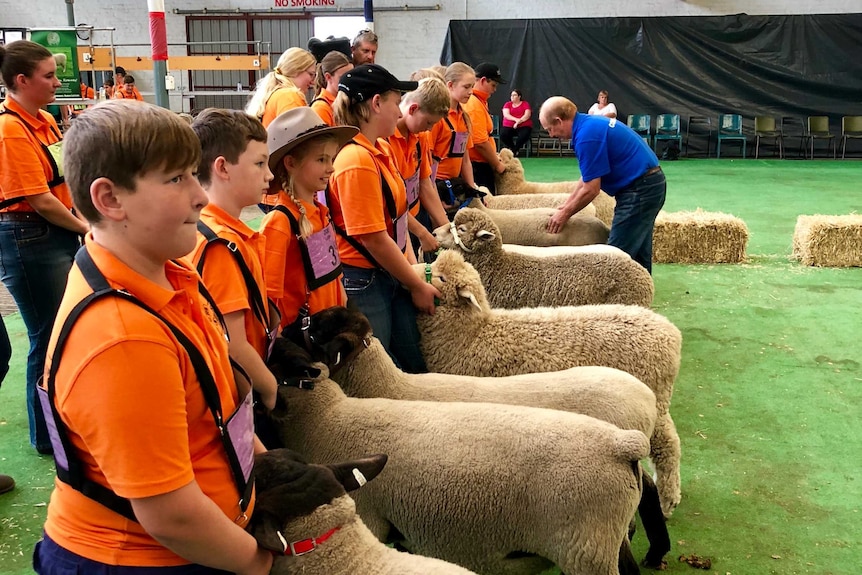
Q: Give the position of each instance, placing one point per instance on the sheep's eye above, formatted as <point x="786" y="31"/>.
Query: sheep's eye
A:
<point x="462" y="228"/>
<point x="442" y="279"/>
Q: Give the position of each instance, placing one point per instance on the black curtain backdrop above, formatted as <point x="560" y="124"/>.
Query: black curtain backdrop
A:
<point x="783" y="66"/>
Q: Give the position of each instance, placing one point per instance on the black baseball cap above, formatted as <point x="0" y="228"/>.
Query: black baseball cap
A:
<point x="363" y="82"/>
<point x="490" y="71"/>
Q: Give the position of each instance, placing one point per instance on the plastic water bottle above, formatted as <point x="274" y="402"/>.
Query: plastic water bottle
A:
<point x="102" y="93"/>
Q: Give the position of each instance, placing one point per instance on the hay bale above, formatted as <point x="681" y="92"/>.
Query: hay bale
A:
<point x="828" y="241"/>
<point x="699" y="238"/>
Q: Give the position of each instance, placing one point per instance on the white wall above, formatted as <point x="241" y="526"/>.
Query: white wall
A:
<point x="408" y="39"/>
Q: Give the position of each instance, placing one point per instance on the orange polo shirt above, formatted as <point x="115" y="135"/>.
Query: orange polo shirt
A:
<point x="24" y="166"/>
<point x="120" y="94"/>
<point x="222" y="275"/>
<point x="282" y="100"/>
<point x="441" y="140"/>
<point x="483" y="125"/>
<point x="135" y="411"/>
<point x="285" y="273"/>
<point x="322" y="105"/>
<point x="356" y="194"/>
<point x="404" y="152"/>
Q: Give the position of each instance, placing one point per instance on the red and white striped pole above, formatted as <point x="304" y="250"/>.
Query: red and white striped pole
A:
<point x="159" y="45"/>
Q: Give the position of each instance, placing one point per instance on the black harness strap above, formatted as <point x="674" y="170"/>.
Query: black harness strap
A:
<point x="256" y="301"/>
<point x="56" y="178"/>
<point x="389" y="201"/>
<point x="74" y="475"/>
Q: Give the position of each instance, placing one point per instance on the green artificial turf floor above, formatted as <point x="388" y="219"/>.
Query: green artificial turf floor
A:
<point x="767" y="403"/>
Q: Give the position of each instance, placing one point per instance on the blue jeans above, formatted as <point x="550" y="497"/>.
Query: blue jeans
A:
<point x="35" y="259"/>
<point x="389" y="309"/>
<point x="51" y="559"/>
<point x="634" y="217"/>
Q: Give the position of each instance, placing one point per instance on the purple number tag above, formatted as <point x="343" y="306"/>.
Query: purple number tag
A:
<point x="459" y="142"/>
<point x="434" y="165"/>
<point x="240" y="430"/>
<point x="323" y="252"/>
<point x="56" y="443"/>
<point x="412" y="185"/>
<point x="401" y="232"/>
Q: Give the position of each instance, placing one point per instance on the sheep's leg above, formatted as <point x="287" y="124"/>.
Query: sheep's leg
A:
<point x="665" y="454"/>
<point x="654" y="524"/>
<point x="627" y="563"/>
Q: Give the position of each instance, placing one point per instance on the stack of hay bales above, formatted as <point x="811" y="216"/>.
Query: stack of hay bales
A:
<point x="699" y="238"/>
<point x="828" y="241"/>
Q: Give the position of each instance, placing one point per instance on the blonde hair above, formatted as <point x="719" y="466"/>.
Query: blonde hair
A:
<point x="290" y="64"/>
<point x="456" y="71"/>
<point x="329" y="65"/>
<point x="432" y="95"/>
<point x="286" y="179"/>
<point x="423" y="73"/>
<point x="348" y="113"/>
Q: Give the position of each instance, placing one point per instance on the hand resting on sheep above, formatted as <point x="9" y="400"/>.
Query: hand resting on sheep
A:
<point x="466" y="336"/>
<point x="341" y="338"/>
<point x="530" y="227"/>
<point x="305" y="517"/>
<point x="513" y="280"/>
<point x="546" y="487"/>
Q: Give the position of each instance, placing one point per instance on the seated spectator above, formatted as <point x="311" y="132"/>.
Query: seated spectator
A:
<point x="517" y="122"/>
<point x="603" y="107"/>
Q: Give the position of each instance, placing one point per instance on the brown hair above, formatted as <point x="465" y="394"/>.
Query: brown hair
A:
<point x="123" y="140"/>
<point x="224" y="133"/>
<point x="20" y="57"/>
<point x="330" y="63"/>
<point x="364" y="36"/>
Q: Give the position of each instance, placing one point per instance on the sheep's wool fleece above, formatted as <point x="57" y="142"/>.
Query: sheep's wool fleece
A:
<point x="464" y="495"/>
<point x="605" y="393"/>
<point x="352" y="549"/>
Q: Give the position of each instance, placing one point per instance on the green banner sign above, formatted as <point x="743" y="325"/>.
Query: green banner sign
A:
<point x="63" y="44"/>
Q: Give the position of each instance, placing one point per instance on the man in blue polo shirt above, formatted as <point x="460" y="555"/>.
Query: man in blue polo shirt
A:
<point x="613" y="158"/>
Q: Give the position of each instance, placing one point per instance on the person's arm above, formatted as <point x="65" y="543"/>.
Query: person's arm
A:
<point x="489" y="154"/>
<point x="584" y="193"/>
<point x="508" y="115"/>
<point x="244" y="354"/>
<point x="430" y="200"/>
<point x="191" y="525"/>
<point x="467" y="171"/>
<point x="49" y="207"/>
<point x="387" y="254"/>
<point x="427" y="241"/>
<point x="527" y="115"/>
<point x="611" y="111"/>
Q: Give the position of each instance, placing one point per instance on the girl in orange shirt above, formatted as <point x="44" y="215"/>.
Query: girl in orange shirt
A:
<point x="284" y="88"/>
<point x="302" y="267"/>
<point x="329" y="72"/>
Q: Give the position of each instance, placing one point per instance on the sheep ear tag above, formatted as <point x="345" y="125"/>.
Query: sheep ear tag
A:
<point x="354" y="474"/>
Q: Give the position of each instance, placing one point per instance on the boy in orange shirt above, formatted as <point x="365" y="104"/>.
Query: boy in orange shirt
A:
<point x="303" y="271"/>
<point x="421" y="109"/>
<point x="154" y="442"/>
<point x="234" y="172"/>
<point x="128" y="91"/>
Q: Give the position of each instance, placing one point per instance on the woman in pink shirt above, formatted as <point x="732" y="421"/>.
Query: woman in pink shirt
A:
<point x="517" y="125"/>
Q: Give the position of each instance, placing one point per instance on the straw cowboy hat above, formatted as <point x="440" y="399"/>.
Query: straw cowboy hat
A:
<point x="297" y="125"/>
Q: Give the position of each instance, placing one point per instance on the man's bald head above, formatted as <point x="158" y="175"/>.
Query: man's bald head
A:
<point x="557" y="115"/>
<point x="557" y="107"/>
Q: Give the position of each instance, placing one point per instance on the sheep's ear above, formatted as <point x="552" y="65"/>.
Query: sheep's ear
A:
<point x="468" y="295"/>
<point x="485" y="235"/>
<point x="354" y="474"/>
